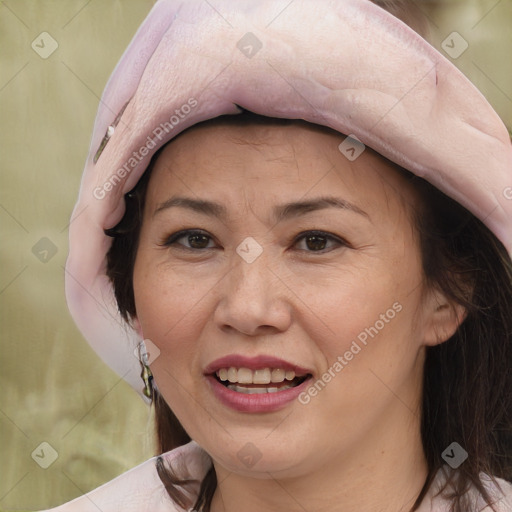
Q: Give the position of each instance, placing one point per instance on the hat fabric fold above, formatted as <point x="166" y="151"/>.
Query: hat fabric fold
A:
<point x="346" y="64"/>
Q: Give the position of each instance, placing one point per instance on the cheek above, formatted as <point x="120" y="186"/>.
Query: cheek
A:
<point x="172" y="309"/>
<point x="164" y="293"/>
<point x="365" y="316"/>
<point x="370" y="356"/>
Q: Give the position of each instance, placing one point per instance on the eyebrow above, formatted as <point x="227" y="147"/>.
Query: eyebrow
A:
<point x="281" y="212"/>
<point x="197" y="205"/>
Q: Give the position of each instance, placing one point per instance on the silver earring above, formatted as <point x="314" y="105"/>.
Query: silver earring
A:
<point x="146" y="375"/>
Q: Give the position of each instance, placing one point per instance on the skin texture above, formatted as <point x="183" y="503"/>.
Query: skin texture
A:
<point x="361" y="432"/>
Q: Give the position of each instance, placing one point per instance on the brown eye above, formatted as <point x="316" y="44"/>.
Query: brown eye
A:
<point x="318" y="242"/>
<point x="198" y="241"/>
<point x="190" y="239"/>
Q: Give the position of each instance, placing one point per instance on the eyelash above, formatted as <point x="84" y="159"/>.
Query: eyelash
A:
<point x="173" y="239"/>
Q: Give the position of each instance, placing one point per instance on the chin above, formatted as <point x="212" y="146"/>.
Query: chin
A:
<point x="261" y="460"/>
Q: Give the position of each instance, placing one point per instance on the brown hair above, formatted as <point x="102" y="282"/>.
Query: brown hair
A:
<point x="467" y="392"/>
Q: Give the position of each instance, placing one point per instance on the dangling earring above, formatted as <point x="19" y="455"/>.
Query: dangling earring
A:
<point x="146" y="375"/>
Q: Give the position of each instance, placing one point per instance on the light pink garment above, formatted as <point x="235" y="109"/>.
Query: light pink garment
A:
<point x="140" y="489"/>
<point x="346" y="64"/>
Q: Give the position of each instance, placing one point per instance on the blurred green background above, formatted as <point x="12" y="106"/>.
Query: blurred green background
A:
<point x="54" y="389"/>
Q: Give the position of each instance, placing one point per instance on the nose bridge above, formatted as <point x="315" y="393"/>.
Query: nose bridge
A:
<point x="252" y="297"/>
<point x="249" y="281"/>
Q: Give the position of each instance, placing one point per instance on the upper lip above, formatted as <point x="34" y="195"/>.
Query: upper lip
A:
<point x="254" y="363"/>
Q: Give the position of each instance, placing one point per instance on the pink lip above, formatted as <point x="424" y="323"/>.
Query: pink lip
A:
<point x="257" y="403"/>
<point x="254" y="363"/>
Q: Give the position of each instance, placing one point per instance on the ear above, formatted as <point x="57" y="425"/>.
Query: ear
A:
<point x="442" y="318"/>
<point x="137" y="327"/>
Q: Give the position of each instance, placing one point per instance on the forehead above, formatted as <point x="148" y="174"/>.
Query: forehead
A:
<point x="272" y="159"/>
<point x="233" y="139"/>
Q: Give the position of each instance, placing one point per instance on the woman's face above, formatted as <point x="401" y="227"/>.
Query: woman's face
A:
<point x="264" y="250"/>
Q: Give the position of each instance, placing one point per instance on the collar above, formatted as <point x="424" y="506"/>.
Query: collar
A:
<point x="141" y="490"/>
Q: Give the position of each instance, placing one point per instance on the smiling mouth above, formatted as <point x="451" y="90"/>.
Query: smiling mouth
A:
<point x="264" y="380"/>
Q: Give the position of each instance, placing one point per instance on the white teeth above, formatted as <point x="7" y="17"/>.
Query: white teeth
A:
<point x="260" y="376"/>
<point x="244" y="376"/>
<point x="278" y="375"/>
<point x="233" y="375"/>
<point x="254" y="391"/>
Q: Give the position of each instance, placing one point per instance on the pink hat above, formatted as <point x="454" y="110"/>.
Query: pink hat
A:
<point x="346" y="64"/>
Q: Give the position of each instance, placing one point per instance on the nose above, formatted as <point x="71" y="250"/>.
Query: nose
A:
<point x="253" y="300"/>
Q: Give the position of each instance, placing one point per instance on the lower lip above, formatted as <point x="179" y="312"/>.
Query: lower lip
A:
<point x="261" y="402"/>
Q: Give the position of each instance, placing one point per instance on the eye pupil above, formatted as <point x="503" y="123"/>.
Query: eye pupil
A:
<point x="316" y="242"/>
<point x="198" y="241"/>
